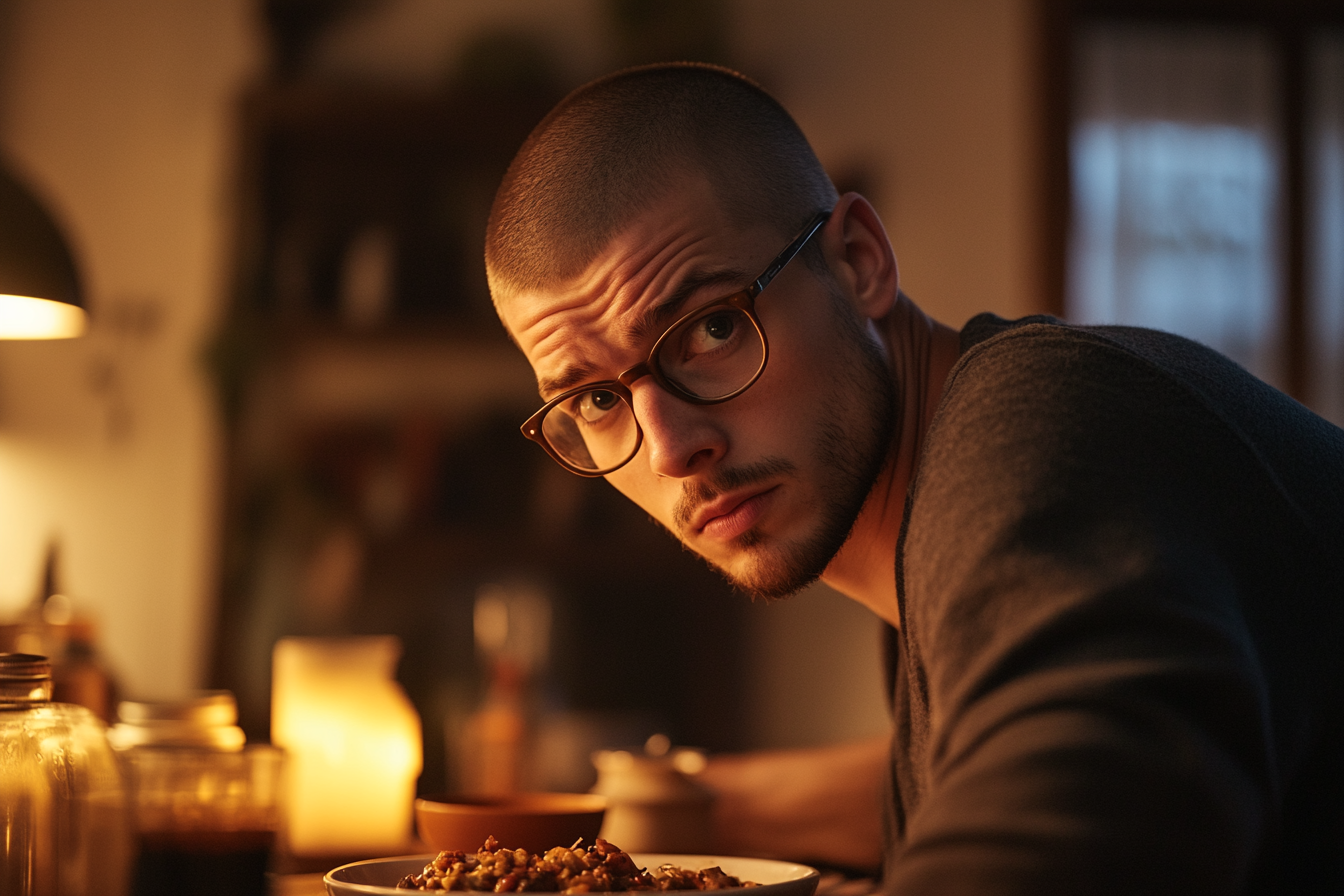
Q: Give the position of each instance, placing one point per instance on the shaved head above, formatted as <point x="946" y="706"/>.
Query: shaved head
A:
<point x="612" y="148"/>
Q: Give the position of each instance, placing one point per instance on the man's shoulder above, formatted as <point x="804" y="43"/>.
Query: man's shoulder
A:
<point x="1041" y="373"/>
<point x="986" y="326"/>
<point x="1047" y="336"/>
<point x="1098" y="375"/>
<point x="1036" y="407"/>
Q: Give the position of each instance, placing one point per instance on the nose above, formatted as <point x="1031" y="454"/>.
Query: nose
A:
<point x="680" y="439"/>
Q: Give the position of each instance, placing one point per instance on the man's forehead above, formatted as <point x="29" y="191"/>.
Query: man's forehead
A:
<point x="629" y="294"/>
<point x="570" y="331"/>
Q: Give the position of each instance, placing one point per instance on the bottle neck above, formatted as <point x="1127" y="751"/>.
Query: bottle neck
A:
<point x="25" y="680"/>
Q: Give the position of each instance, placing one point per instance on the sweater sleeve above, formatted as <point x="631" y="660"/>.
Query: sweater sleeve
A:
<point x="1095" y="718"/>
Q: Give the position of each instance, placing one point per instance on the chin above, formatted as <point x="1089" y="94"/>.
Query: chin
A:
<point x="766" y="572"/>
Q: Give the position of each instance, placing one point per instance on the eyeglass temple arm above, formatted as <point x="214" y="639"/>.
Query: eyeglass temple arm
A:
<point x="790" y="250"/>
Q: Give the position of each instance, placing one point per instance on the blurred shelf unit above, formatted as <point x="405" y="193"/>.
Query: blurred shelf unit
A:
<point x="359" y="287"/>
<point x="366" y="207"/>
<point x="310" y="380"/>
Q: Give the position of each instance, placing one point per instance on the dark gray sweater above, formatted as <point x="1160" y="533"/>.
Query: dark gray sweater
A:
<point x="1121" y="577"/>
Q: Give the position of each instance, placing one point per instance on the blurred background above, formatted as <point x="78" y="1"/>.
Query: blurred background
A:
<point x="295" y="414"/>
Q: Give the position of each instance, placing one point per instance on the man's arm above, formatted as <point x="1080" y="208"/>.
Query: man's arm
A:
<point x="821" y="805"/>
<point x="1089" y="709"/>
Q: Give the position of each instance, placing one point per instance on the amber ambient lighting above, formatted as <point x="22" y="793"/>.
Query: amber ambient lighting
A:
<point x="40" y="296"/>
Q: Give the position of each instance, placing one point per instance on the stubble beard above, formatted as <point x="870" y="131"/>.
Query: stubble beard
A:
<point x="852" y="444"/>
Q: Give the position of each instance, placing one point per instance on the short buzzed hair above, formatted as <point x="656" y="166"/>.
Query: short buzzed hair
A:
<point x="612" y="147"/>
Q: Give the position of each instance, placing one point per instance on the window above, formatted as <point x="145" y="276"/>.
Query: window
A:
<point x="1206" y="185"/>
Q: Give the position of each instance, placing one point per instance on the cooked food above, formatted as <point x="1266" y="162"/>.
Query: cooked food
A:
<point x="600" y="868"/>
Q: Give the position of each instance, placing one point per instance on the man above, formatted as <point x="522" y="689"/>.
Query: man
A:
<point x="1113" y="562"/>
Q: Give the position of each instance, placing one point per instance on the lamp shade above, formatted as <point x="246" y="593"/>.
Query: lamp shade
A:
<point x="40" y="296"/>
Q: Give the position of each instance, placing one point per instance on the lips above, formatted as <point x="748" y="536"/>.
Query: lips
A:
<point x="706" y="506"/>
<point x="730" y="515"/>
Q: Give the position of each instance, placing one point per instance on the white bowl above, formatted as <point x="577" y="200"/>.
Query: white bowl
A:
<point x="378" y="877"/>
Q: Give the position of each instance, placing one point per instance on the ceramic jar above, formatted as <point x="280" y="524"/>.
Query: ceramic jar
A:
<point x="653" y="803"/>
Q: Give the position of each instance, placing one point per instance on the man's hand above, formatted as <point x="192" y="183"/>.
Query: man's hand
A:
<point x="821" y="805"/>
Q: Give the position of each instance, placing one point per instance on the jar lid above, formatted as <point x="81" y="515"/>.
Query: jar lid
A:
<point x="204" y="708"/>
<point x="25" y="679"/>
<point x="205" y="719"/>
<point x="24" y="667"/>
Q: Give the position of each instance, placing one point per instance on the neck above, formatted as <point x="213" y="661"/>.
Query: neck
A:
<point x="922" y="352"/>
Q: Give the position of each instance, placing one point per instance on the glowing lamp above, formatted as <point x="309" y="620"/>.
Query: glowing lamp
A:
<point x="353" y="744"/>
<point x="27" y="317"/>
<point x="40" y="296"/>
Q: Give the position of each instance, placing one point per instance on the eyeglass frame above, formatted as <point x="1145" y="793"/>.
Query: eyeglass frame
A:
<point x="743" y="300"/>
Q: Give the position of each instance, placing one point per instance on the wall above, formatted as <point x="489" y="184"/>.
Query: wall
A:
<point x="119" y="115"/>
<point x="937" y="100"/>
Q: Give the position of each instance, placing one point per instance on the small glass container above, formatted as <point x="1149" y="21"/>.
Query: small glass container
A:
<point x="206" y="805"/>
<point x="62" y="799"/>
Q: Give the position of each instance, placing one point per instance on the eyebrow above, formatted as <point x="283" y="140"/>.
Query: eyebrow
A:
<point x="661" y="315"/>
<point x="568" y="379"/>
<point x="651" y="320"/>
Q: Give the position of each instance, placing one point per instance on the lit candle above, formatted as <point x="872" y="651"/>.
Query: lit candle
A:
<point x="353" y="743"/>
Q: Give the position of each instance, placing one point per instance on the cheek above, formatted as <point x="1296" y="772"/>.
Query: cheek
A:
<point x="805" y="364"/>
<point x="638" y="484"/>
<point x="781" y="402"/>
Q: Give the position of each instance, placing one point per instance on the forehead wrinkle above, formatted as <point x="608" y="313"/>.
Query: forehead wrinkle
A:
<point x="593" y="325"/>
<point x="626" y="280"/>
<point x="658" y="317"/>
<point x="554" y="338"/>
<point x="636" y="335"/>
<point x="557" y="326"/>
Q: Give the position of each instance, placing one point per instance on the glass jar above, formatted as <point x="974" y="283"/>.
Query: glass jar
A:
<point x="62" y="801"/>
<point x="206" y="806"/>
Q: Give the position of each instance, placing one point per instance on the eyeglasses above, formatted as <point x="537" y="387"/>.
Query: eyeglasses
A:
<point x="708" y="356"/>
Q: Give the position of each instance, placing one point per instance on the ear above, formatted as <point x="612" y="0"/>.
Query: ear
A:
<point x="860" y="256"/>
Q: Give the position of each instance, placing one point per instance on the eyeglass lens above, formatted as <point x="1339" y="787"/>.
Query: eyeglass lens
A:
<point x="709" y="356"/>
<point x="712" y="355"/>
<point x="592" y="430"/>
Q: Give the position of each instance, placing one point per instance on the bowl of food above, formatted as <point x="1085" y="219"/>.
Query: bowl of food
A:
<point x="531" y="821"/>
<point x="599" y="867"/>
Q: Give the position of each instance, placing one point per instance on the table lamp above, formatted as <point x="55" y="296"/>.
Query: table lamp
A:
<point x="40" y="296"/>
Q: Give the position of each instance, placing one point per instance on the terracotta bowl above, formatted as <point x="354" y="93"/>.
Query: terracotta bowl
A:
<point x="532" y="821"/>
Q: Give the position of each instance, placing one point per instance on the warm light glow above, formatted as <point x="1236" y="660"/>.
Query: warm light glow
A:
<point x="24" y="317"/>
<point x="353" y="742"/>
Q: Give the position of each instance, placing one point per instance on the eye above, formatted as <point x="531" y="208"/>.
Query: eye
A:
<point x="591" y="407"/>
<point x="710" y="332"/>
